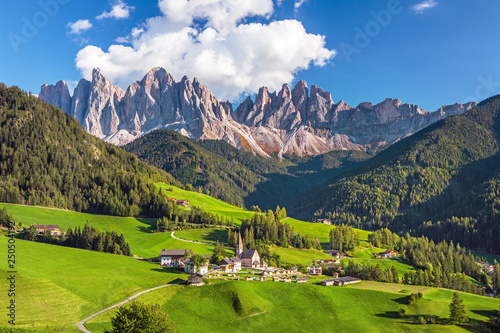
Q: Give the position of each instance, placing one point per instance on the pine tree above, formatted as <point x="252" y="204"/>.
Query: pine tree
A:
<point x="457" y="309"/>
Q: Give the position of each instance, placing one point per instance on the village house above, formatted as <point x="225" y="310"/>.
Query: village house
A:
<point x="184" y="203"/>
<point x="262" y="279"/>
<point x="288" y="280"/>
<point x="248" y="278"/>
<point x="276" y="278"/>
<point x="195" y="280"/>
<point x="386" y="254"/>
<point x="301" y="280"/>
<point x="343" y="281"/>
<point x="189" y="266"/>
<point x="172" y="257"/>
<point x="323" y="221"/>
<point x="267" y="273"/>
<point x="230" y="265"/>
<point x="54" y="230"/>
<point x="314" y="270"/>
<point x="333" y="253"/>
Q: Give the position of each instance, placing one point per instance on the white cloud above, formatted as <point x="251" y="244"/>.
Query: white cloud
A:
<point x="298" y="4"/>
<point x="78" y="27"/>
<point x="120" y="10"/>
<point x="136" y="32"/>
<point x="228" y="54"/>
<point x="424" y="5"/>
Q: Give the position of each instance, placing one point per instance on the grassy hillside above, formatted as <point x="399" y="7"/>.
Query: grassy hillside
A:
<point x="137" y="232"/>
<point x="206" y="202"/>
<point x="47" y="158"/>
<point x="58" y="286"/>
<point x="442" y="182"/>
<point x="279" y="307"/>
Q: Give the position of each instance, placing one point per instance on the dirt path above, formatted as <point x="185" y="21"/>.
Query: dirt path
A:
<point x="252" y="315"/>
<point x="81" y="323"/>
<point x="190" y="241"/>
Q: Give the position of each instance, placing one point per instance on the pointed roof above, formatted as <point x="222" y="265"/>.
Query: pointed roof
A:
<point x="240" y="241"/>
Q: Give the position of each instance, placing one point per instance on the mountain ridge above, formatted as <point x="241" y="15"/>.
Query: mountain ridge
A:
<point x="298" y="121"/>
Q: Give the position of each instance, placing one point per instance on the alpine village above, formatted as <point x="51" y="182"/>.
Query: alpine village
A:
<point x="240" y="198"/>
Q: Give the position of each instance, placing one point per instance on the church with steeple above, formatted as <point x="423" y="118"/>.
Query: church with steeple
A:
<point x="242" y="259"/>
<point x="249" y="258"/>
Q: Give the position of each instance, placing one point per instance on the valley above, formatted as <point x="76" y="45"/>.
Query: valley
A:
<point x="166" y="198"/>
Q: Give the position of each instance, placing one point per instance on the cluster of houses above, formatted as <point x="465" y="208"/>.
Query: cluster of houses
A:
<point x="486" y="266"/>
<point x="280" y="272"/>
<point x="286" y="279"/>
<point x="249" y="259"/>
<point x="184" y="203"/>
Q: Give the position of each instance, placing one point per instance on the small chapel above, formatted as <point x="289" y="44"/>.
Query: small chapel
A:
<point x="249" y="258"/>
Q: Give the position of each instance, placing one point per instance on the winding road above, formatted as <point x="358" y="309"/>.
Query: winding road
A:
<point x="81" y="323"/>
<point x="190" y="241"/>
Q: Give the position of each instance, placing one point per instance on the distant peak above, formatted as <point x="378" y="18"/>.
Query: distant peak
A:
<point x="301" y="85"/>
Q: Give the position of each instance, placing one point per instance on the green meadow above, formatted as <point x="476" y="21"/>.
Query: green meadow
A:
<point x="206" y="202"/>
<point x="210" y="235"/>
<point x="239" y="306"/>
<point x="137" y="232"/>
<point x="321" y="231"/>
<point x="58" y="286"/>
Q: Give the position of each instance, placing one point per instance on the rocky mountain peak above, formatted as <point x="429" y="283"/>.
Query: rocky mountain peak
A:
<point x="300" y="95"/>
<point x="57" y="95"/>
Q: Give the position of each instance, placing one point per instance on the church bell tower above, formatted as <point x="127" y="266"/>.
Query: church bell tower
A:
<point x="239" y="246"/>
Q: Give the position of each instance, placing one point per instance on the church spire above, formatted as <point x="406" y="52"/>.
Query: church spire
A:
<point x="239" y="246"/>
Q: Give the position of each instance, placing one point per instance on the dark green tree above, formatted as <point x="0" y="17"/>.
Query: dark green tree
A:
<point x="458" y="314"/>
<point x="137" y="317"/>
<point x="31" y="233"/>
<point x="198" y="261"/>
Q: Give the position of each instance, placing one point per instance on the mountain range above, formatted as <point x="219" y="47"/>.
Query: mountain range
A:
<point x="299" y="121"/>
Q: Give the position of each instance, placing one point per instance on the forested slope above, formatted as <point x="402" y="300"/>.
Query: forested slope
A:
<point x="47" y="159"/>
<point x="443" y="182"/>
<point x="236" y="176"/>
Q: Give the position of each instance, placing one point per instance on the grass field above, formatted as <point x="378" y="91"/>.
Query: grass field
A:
<point x="208" y="203"/>
<point x="278" y="307"/>
<point x="401" y="267"/>
<point x="368" y="253"/>
<point x="322" y="231"/>
<point x="137" y="232"/>
<point x="57" y="286"/>
<point x="204" y="235"/>
<point x="490" y="257"/>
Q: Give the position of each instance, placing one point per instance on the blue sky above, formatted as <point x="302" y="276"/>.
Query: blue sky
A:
<point x="429" y="53"/>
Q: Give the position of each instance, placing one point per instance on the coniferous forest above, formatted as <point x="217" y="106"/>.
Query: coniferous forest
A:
<point x="442" y="182"/>
<point x="47" y="159"/>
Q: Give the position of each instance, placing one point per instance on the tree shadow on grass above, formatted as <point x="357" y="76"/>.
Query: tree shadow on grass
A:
<point x="485" y="313"/>
<point x="216" y="235"/>
<point x="402" y="300"/>
<point x="151" y="225"/>
<point x="388" y="314"/>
